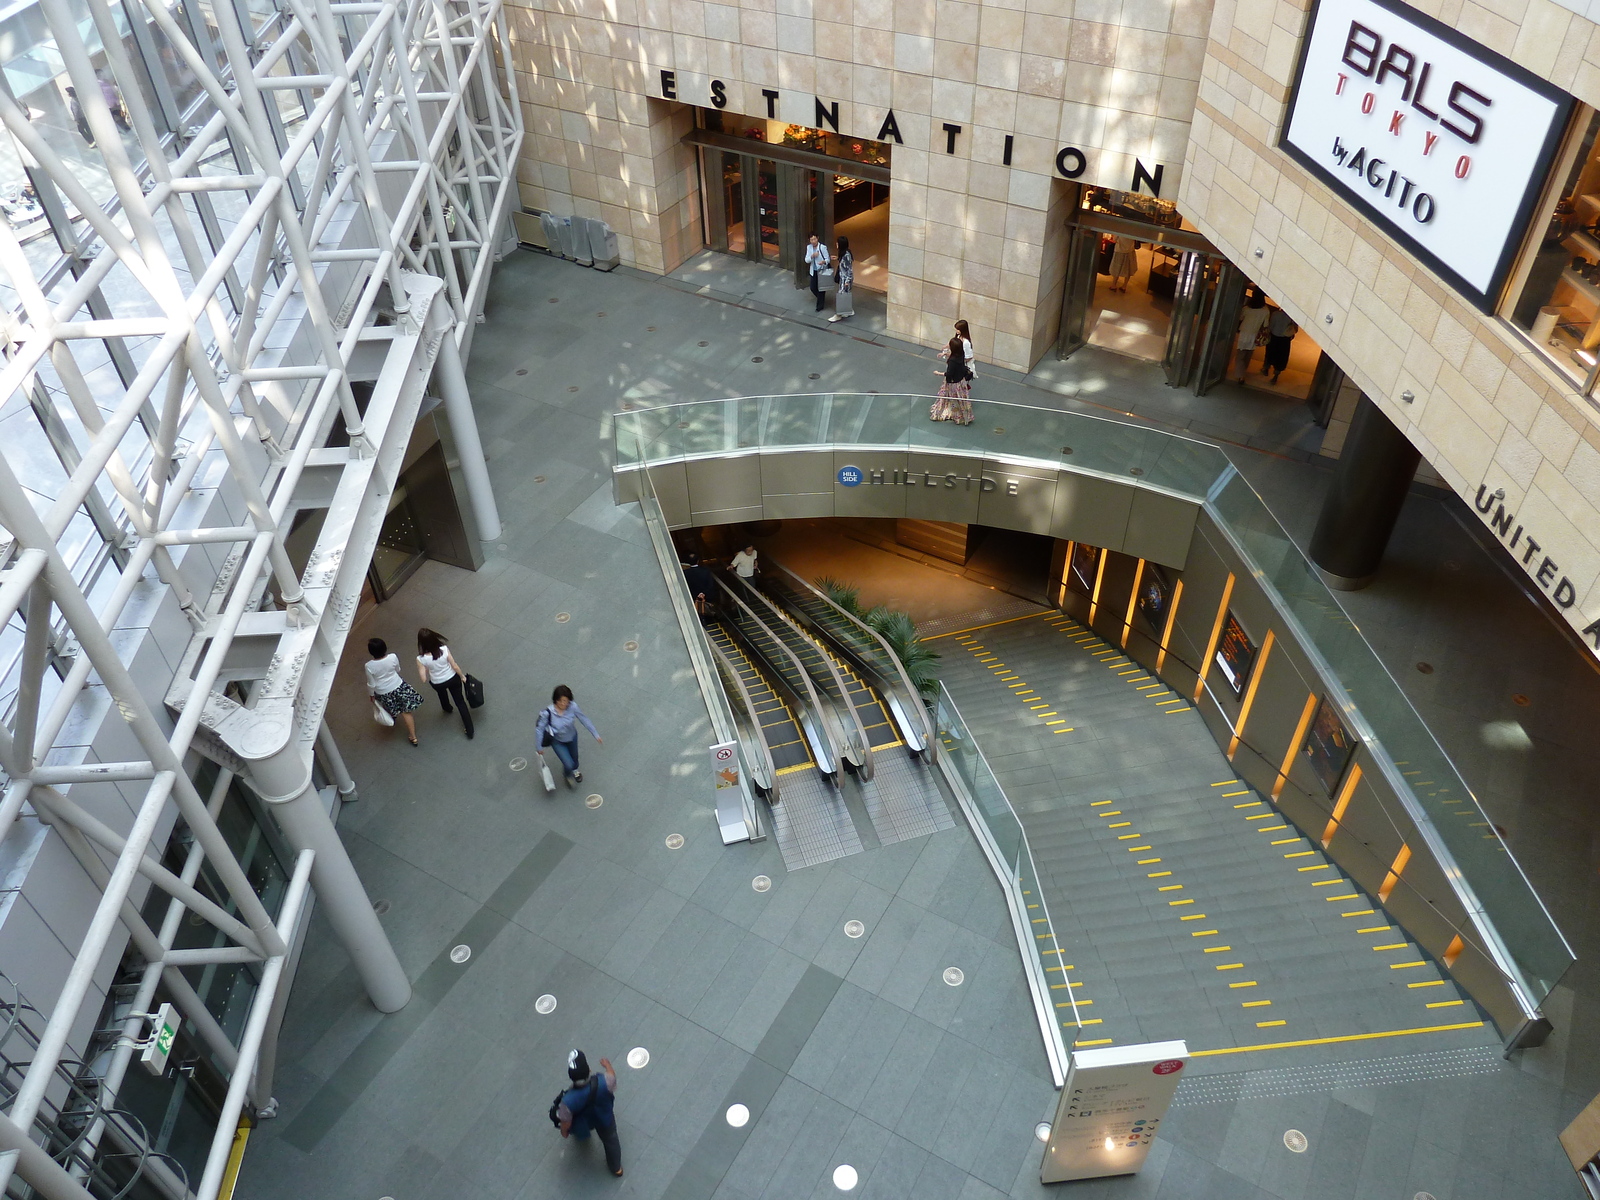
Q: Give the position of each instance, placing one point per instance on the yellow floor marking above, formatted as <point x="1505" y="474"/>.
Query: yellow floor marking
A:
<point x="975" y="628"/>
<point x="1091" y="1021"/>
<point x="1360" y="912"/>
<point x="1327" y="1041"/>
<point x="1116" y="812"/>
<point x="1203" y="932"/>
<point x="1137" y="680"/>
<point x="1244" y="792"/>
<point x="1095" y="1042"/>
<point x="1157" y="874"/>
<point x="1173" y="701"/>
<point x="1122" y="837"/>
<point x="1183" y="902"/>
<point x="1174" y="711"/>
<point x="1402" y="966"/>
<point x="1297" y="853"/>
<point x="1119" y="824"/>
<point x="1250" y="983"/>
<point x="1282" y="841"/>
<point x="1229" y="966"/>
<point x="1145" y="862"/>
<point x="1137" y="849"/>
<point x="1191" y="916"/>
<point x="1068" y="729"/>
<point x="1227" y="783"/>
<point x="1254" y="1003"/>
<point x="1266" y="816"/>
<point x="1131" y="671"/>
<point x="1148" y="687"/>
<point x="1427" y="983"/>
<point x="1372" y="928"/>
<point x="1321" y="867"/>
<point x="1266" y="828"/>
<point x="1252" y="804"/>
<point x="1215" y="949"/>
<point x="1051" y="713"/>
<point x="1037" y="707"/>
<point x="1097" y="803"/>
<point x="1446" y="1003"/>
<point x="1061" y="722"/>
<point x="1171" y="887"/>
<point x="1269" y="1024"/>
<point x="1393" y="945"/>
<point x="1335" y="883"/>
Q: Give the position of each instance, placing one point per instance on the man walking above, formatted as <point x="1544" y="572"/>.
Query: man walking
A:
<point x="587" y="1105"/>
<point x="816" y="261"/>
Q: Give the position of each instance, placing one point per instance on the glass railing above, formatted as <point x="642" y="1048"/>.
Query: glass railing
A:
<point x="1145" y="457"/>
<point x="996" y="823"/>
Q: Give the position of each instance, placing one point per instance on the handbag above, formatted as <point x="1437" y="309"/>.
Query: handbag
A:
<point x="825" y="279"/>
<point x="380" y="714"/>
<point x="549" y="734"/>
<point x="844" y="302"/>
<point x="548" y="779"/>
<point x="474" y="692"/>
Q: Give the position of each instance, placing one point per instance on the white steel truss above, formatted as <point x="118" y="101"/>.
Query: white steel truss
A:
<point x="270" y="223"/>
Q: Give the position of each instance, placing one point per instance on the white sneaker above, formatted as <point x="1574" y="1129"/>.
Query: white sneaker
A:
<point x="836" y="317"/>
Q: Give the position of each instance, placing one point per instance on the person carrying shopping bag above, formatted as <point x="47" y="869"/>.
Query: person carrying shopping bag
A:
<point x="954" y="402"/>
<point x="817" y="263"/>
<point x="392" y="694"/>
<point x="844" y="300"/>
<point x="558" y="729"/>
<point x="440" y="671"/>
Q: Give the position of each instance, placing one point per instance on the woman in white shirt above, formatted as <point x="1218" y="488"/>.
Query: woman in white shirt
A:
<point x="744" y="563"/>
<point x="1252" y="323"/>
<point x="396" y="697"/>
<point x="437" y="668"/>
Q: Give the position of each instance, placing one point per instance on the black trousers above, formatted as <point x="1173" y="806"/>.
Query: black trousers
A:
<point x="816" y="291"/>
<point x="608" y="1139"/>
<point x="451" y="689"/>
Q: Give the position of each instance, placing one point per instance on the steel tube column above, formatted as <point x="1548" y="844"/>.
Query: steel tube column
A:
<point x="333" y="760"/>
<point x="38" y="1170"/>
<point x="284" y="783"/>
<point x="452" y="380"/>
<point x="1370" y="481"/>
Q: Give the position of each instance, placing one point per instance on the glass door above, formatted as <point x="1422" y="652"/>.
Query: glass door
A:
<point x="1221" y="326"/>
<point x="1077" y="298"/>
<point x="764" y="176"/>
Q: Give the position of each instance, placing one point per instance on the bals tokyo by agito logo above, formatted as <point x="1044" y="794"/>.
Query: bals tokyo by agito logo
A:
<point x="1463" y="114"/>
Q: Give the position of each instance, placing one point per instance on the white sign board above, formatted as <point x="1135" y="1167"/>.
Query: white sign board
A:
<point x="1442" y="142"/>
<point x="725" y="765"/>
<point x="1111" y="1106"/>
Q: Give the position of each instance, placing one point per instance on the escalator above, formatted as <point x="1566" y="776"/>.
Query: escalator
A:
<point x="776" y="724"/>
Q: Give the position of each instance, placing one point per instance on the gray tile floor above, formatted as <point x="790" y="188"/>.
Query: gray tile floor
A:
<point x="845" y="1050"/>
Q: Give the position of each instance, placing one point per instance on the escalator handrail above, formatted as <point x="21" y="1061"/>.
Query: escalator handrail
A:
<point x="915" y="697"/>
<point x="825" y="715"/>
<point x="731" y="672"/>
<point x="863" y="744"/>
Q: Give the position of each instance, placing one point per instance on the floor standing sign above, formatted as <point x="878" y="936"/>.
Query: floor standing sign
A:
<point x="1111" y="1106"/>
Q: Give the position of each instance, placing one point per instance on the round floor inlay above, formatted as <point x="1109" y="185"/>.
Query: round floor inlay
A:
<point x="674" y="841"/>
<point x="460" y="954"/>
<point x="954" y="976"/>
<point x="545" y="1004"/>
<point x="1425" y="668"/>
<point x="845" y="1177"/>
<point x="854" y="929"/>
<point x="1296" y="1141"/>
<point x="638" y="1057"/>
<point x="761" y="883"/>
<point x="630" y="645"/>
<point x="1042" y="1131"/>
<point x="380" y="907"/>
<point x="519" y="764"/>
<point x="738" y="1116"/>
<point x="563" y="618"/>
<point x="1520" y="700"/>
<point x="594" y="800"/>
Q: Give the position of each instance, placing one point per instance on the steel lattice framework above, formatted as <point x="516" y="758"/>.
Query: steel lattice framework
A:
<point x="284" y="233"/>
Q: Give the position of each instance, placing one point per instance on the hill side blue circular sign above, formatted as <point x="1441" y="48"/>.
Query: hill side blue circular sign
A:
<point x="850" y="476"/>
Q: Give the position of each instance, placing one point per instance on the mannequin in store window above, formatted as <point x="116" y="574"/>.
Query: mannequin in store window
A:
<point x="1252" y="331"/>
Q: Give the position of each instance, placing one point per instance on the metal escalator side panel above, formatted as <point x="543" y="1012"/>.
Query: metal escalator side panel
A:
<point x="762" y="770"/>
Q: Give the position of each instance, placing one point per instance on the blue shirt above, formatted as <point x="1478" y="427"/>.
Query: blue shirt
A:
<point x="562" y="725"/>
<point x="591" y="1105"/>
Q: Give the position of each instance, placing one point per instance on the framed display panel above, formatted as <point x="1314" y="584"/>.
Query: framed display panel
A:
<point x="1236" y="654"/>
<point x="1441" y="142"/>
<point x="1084" y="567"/>
<point x="1155" y="596"/>
<point x="1328" y="746"/>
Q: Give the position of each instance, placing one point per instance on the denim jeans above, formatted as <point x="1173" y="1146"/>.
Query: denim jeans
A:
<point x="567" y="752"/>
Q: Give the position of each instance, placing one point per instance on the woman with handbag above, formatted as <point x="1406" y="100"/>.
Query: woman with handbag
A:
<point x="558" y="729"/>
<point x="1252" y="331"/>
<point x="844" y="300"/>
<point x="440" y="671"/>
<point x="393" y="696"/>
<point x="954" y="403"/>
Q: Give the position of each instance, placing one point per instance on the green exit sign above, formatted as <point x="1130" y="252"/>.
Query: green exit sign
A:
<point x="164" y="1033"/>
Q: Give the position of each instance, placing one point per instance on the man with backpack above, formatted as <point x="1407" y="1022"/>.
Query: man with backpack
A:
<point x="587" y="1105"/>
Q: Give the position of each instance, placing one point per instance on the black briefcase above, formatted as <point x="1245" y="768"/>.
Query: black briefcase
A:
<point x="474" y="692"/>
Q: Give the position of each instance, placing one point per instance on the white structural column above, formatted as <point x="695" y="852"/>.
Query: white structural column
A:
<point x="452" y="379"/>
<point x="284" y="782"/>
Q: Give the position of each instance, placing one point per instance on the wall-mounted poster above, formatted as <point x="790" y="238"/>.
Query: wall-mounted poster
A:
<point x="1236" y="654"/>
<point x="1155" y="595"/>
<point x="1085" y="565"/>
<point x="1328" y="746"/>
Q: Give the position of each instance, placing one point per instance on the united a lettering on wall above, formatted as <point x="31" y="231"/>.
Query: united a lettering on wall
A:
<point x="1437" y="139"/>
<point x="1071" y="162"/>
<point x="1525" y="548"/>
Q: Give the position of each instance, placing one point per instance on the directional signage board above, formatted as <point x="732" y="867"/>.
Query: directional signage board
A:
<point x="163" y="1032"/>
<point x="725" y="764"/>
<point x="1111" y="1107"/>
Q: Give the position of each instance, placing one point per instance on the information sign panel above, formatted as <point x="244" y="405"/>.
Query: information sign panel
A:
<point x="1111" y="1107"/>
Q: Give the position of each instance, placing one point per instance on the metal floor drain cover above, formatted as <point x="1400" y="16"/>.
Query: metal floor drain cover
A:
<point x="845" y="1177"/>
<point x="761" y="883"/>
<point x="594" y="800"/>
<point x="813" y="375"/>
<point x="1135" y="470"/>
<point x="954" y="976"/>
<point x="649" y="328"/>
<point x="674" y="841"/>
<point x="522" y="370"/>
<point x="554" y="300"/>
<point x="638" y="1057"/>
<point x="460" y="954"/>
<point x="757" y="358"/>
<point x="572" y="389"/>
<point x="1425" y="668"/>
<point x="563" y="617"/>
<point x="854" y="929"/>
<point x="1520" y="700"/>
<point x="380" y="907"/>
<point x="738" y="1116"/>
<point x="1423" y="1196"/>
<point x="702" y="343"/>
<point x="501" y="546"/>
<point x="1042" y="1131"/>
<point x="1296" y="1141"/>
<point x="538" y="478"/>
<point x="519" y="764"/>
<point x="630" y="646"/>
<point x="545" y="1004"/>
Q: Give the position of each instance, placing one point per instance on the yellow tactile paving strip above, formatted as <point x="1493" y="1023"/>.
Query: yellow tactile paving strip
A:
<point x="1045" y="710"/>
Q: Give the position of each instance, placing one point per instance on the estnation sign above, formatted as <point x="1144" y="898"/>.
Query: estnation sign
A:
<point x="1442" y="142"/>
<point x="1071" y="162"/>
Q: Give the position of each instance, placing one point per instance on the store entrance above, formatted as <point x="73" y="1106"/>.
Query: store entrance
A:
<point x="767" y="187"/>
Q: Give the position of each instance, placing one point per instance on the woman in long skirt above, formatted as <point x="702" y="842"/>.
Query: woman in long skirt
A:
<point x="955" y="393"/>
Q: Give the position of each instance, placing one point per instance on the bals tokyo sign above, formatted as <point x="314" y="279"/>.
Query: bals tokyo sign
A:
<point x="1442" y="142"/>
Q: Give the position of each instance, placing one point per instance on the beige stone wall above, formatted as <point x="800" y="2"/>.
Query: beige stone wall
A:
<point x="969" y="236"/>
<point x="1488" y="410"/>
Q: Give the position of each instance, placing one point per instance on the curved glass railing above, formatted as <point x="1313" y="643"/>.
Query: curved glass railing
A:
<point x="1490" y="880"/>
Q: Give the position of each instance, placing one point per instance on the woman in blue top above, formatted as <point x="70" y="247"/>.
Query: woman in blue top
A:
<point x="558" y="726"/>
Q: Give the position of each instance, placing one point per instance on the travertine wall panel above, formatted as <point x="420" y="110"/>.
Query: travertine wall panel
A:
<point x="1488" y="411"/>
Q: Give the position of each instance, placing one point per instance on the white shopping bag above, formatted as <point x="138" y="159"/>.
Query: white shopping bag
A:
<point x="381" y="714"/>
<point x="544" y="774"/>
